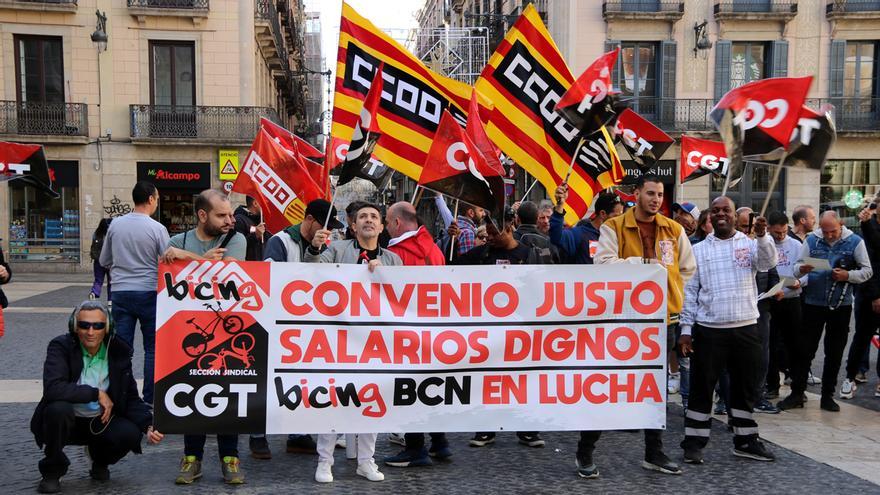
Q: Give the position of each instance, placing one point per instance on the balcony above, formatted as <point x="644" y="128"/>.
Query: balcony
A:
<point x="642" y="9"/>
<point x="756" y="10"/>
<point x="40" y="5"/>
<point x="852" y="114"/>
<point x="44" y="122"/>
<point x="195" y="9"/>
<point x="852" y="9"/>
<point x="270" y="37"/>
<point x="675" y="114"/>
<point x="198" y="125"/>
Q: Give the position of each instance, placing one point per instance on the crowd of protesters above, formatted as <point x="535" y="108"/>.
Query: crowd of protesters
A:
<point x="748" y="304"/>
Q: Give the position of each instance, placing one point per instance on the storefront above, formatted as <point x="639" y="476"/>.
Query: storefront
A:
<point x="178" y="183"/>
<point x="45" y="229"/>
<point x="847" y="186"/>
<point x="665" y="169"/>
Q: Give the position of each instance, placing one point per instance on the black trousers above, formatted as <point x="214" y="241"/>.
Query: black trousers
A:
<point x="835" y="324"/>
<point x="867" y="323"/>
<point x="786" y="338"/>
<point x="587" y="443"/>
<point x="739" y="350"/>
<point x="416" y="441"/>
<point x="62" y="427"/>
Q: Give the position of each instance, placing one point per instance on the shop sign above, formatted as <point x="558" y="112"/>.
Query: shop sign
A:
<point x="228" y="162"/>
<point x="665" y="169"/>
<point x="853" y="198"/>
<point x="176" y="175"/>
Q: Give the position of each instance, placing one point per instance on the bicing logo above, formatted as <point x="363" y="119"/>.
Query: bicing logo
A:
<point x="221" y="282"/>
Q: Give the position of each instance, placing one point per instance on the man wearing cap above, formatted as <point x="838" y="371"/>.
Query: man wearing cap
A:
<point x="686" y="214"/>
<point x="578" y="244"/>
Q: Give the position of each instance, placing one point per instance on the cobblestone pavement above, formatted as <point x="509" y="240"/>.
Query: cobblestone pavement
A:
<point x="505" y="467"/>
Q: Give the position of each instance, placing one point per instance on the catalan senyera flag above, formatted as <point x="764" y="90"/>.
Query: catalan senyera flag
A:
<point x="524" y="79"/>
<point x="413" y="99"/>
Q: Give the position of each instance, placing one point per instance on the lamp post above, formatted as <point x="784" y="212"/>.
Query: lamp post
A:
<point x="99" y="37"/>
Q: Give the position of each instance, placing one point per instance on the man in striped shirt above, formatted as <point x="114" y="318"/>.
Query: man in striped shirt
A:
<point x="719" y="330"/>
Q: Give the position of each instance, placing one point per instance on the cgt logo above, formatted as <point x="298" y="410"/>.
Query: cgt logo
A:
<point x="766" y="115"/>
<point x="209" y="400"/>
<point x="634" y="141"/>
<point x="804" y="130"/>
<point x="598" y="91"/>
<point x="458" y="164"/>
<point x="14" y="168"/>
<point x="270" y="183"/>
<point x="712" y="163"/>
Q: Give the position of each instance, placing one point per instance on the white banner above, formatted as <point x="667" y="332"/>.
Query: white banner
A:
<point x="317" y="348"/>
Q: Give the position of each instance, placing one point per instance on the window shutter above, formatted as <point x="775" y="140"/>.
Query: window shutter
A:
<point x="779" y="51"/>
<point x="666" y="106"/>
<point x="722" y="68"/>
<point x="835" y="78"/>
<point x="615" y="73"/>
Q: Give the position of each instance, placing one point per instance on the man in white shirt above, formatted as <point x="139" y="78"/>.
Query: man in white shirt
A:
<point x="719" y="330"/>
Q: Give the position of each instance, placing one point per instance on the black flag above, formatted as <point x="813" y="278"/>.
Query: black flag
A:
<point x="26" y="163"/>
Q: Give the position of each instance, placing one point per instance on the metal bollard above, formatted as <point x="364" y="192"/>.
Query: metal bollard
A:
<point x="351" y="448"/>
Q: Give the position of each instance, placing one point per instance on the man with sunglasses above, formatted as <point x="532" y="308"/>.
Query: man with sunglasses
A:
<point x="89" y="398"/>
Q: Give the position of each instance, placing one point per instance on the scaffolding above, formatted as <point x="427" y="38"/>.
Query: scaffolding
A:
<point x="458" y="53"/>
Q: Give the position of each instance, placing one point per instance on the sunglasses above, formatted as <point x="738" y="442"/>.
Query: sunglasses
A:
<point x="85" y="325"/>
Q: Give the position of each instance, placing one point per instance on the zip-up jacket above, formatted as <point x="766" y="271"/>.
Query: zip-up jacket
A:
<point x="821" y="290"/>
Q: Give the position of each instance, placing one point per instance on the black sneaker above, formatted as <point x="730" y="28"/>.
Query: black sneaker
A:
<point x="693" y="456"/>
<point x="99" y="472"/>
<point x="302" y="444"/>
<point x="530" y="439"/>
<point x="828" y="404"/>
<point x="49" y="485"/>
<point x="409" y="458"/>
<point x="440" y="451"/>
<point x="586" y="468"/>
<point x="754" y="450"/>
<point x="482" y="439"/>
<point x="260" y="448"/>
<point x="764" y="406"/>
<point x="793" y="401"/>
<point x="657" y="461"/>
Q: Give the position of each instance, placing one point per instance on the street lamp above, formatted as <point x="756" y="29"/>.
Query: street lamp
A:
<point x="99" y="37"/>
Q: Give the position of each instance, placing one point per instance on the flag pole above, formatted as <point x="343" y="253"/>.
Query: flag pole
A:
<point x="452" y="240"/>
<point x="330" y="211"/>
<point x="573" y="158"/>
<point x="415" y="193"/>
<point x="526" y="195"/>
<point x="773" y="182"/>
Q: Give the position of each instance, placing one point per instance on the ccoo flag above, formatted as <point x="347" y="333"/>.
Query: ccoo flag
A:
<point x="413" y="99"/>
<point x="302" y="151"/>
<point x="525" y="79"/>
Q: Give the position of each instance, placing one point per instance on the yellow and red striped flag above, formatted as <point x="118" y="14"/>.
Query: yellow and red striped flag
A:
<point x="413" y="96"/>
<point x="524" y="79"/>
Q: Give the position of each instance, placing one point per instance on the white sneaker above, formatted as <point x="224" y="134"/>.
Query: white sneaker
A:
<point x="673" y="383"/>
<point x="324" y="473"/>
<point x="813" y="380"/>
<point x="847" y="389"/>
<point x="397" y="438"/>
<point x="370" y="471"/>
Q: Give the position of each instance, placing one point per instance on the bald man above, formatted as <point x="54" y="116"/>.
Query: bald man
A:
<point x="828" y="299"/>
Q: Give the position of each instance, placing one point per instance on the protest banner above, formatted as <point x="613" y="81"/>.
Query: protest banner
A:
<point x="314" y="348"/>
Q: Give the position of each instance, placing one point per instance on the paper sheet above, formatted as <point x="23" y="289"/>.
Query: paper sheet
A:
<point x="772" y="291"/>
<point x="818" y="264"/>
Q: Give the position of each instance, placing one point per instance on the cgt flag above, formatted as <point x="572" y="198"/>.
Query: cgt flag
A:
<point x="358" y="162"/>
<point x="644" y="141"/>
<point x="278" y="181"/>
<point x="524" y="79"/>
<point x="456" y="167"/>
<point x="589" y="104"/>
<point x="811" y="141"/>
<point x="701" y="157"/>
<point x="26" y="164"/>
<point x="412" y="103"/>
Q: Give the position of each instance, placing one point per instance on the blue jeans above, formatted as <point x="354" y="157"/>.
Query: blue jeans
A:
<point x="130" y="307"/>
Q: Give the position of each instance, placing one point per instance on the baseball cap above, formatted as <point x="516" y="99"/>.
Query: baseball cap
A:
<point x="688" y="207"/>
<point x="319" y="209"/>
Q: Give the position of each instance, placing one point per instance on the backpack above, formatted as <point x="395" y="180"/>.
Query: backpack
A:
<point x="98" y="244"/>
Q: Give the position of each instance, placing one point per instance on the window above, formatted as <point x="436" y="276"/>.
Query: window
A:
<point x="752" y="189"/>
<point x="844" y="181"/>
<point x="638" y="77"/>
<point x="39" y="69"/>
<point x="172" y="73"/>
<point x="859" y="69"/>
<point x="747" y="63"/>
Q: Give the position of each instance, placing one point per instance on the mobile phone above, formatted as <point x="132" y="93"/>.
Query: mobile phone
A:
<point x="872" y="206"/>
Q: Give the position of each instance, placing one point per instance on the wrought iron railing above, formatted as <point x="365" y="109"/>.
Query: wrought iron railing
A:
<point x="851" y="114"/>
<point x="201" y="123"/>
<point x="632" y="6"/>
<point x="170" y="4"/>
<point x="35" y="118"/>
<point x="756" y="6"/>
<point x="847" y="6"/>
<point x="266" y="11"/>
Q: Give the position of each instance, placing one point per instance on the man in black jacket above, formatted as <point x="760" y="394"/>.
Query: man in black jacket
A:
<point x="89" y="398"/>
<point x="527" y="232"/>
<point x="249" y="221"/>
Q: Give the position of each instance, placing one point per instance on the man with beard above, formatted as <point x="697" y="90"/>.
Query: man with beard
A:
<point x="545" y="210"/>
<point x="364" y="249"/>
<point x="527" y="231"/>
<point x="803" y="221"/>
<point x="719" y="331"/>
<point x="643" y="235"/>
<point x="213" y="239"/>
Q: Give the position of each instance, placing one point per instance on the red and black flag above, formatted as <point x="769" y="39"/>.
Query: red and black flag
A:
<point x="701" y="157"/>
<point x="644" y="141"/>
<point x="358" y="162"/>
<point x="810" y="144"/>
<point x="457" y="168"/>
<point x="26" y="164"/>
<point x="291" y="140"/>
<point x="589" y="104"/>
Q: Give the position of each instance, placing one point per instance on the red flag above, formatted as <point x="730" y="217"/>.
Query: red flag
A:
<point x="359" y="160"/>
<point x="644" y="141"/>
<point x="456" y="167"/>
<point x="290" y="140"/>
<point x="588" y="104"/>
<point x="700" y="157"/>
<point x="477" y="132"/>
<point x="278" y="181"/>
<point x="26" y="164"/>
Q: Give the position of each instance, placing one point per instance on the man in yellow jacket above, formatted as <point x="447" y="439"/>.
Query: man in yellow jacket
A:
<point x="643" y="235"/>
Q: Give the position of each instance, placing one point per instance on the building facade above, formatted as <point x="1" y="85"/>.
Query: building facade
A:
<point x="172" y="93"/>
